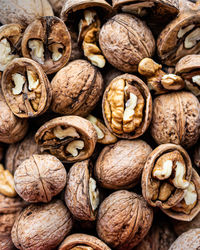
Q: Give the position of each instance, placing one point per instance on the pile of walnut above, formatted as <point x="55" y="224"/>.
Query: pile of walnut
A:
<point x="99" y="124"/>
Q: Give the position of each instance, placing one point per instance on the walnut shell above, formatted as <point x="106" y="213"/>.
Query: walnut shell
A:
<point x="176" y="119"/>
<point x="187" y="240"/>
<point x="125" y="40"/>
<point x="41" y="226"/>
<point x="26" y="88"/>
<point x="151" y="187"/>
<point x="120" y="165"/>
<point x="57" y="5"/>
<point x="23" y="12"/>
<point x="78" y="194"/>
<point x="76" y="89"/>
<point x="11" y="205"/>
<point x="197" y="155"/>
<point x="6" y="242"/>
<point x="6" y="223"/>
<point x="124" y="218"/>
<point x="80" y="240"/>
<point x="53" y="136"/>
<point x="40" y="178"/>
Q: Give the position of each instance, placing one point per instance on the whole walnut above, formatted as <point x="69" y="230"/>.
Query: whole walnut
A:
<point x="42" y="226"/>
<point x="124" y="218"/>
<point x="125" y="40"/>
<point x="176" y="119"/>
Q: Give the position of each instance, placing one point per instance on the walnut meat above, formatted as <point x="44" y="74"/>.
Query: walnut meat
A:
<point x="82" y="195"/>
<point x="83" y="242"/>
<point x="26" y="88"/>
<point x="76" y="88"/>
<point x="69" y="138"/>
<point x="40" y="178"/>
<point x="42" y="226"/>
<point x="125" y="40"/>
<point x="48" y="42"/>
<point x="127" y="106"/>
<point x="124" y="218"/>
<point x="166" y="175"/>
<point x="176" y="119"/>
<point x="120" y="165"/>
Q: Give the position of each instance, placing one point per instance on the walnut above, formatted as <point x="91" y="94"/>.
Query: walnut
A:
<point x="6" y="242"/>
<point x="23" y="12"/>
<point x="10" y="43"/>
<point x="76" y="89"/>
<point x="42" y="226"/>
<point x="12" y="128"/>
<point x="124" y="218"/>
<point x="176" y="119"/>
<point x="197" y="155"/>
<point x="127" y="106"/>
<point x="125" y="40"/>
<point x="188" y="69"/>
<point x="26" y="88"/>
<point x="120" y="165"/>
<point x="6" y="183"/>
<point x="83" y="242"/>
<point x="69" y="138"/>
<point x="48" y="42"/>
<point x="10" y="205"/>
<point x="168" y="163"/>
<point x="57" y="5"/>
<point x="40" y="178"/>
<point x="18" y="152"/>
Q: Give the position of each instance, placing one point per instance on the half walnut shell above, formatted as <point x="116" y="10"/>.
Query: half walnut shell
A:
<point x="48" y="42"/>
<point x="127" y="106"/>
<point x="166" y="176"/>
<point x="69" y="138"/>
<point x="26" y="88"/>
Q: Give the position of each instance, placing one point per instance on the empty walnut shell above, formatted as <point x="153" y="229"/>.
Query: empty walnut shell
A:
<point x="127" y="106"/>
<point x="83" y="241"/>
<point x="82" y="195"/>
<point x="125" y="40"/>
<point x="10" y="43"/>
<point x="166" y="189"/>
<point x="124" y="218"/>
<point x="12" y="129"/>
<point x="40" y="178"/>
<point x="11" y="205"/>
<point x="187" y="240"/>
<point x="76" y="88"/>
<point x="69" y="138"/>
<point x="120" y="165"/>
<point x="26" y="88"/>
<point x="189" y="69"/>
<point x="41" y="226"/>
<point x="47" y="41"/>
<point x="176" y="119"/>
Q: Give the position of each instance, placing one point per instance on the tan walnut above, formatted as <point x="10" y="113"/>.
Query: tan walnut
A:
<point x="176" y="119"/>
<point x="166" y="175"/>
<point x="41" y="226"/>
<point x="124" y="219"/>
<point x="48" y="42"/>
<point x="120" y="165"/>
<point x="127" y="106"/>
<point x="76" y="89"/>
<point x="26" y="88"/>
<point x="69" y="138"/>
<point x="40" y="178"/>
<point x="125" y="40"/>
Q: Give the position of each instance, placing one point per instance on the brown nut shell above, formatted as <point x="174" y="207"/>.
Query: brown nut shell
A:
<point x="40" y="178"/>
<point x="76" y="240"/>
<point x="76" y="88"/>
<point x="125" y="40"/>
<point x="195" y="210"/>
<point x="26" y="88"/>
<point x="11" y="205"/>
<point x="57" y="5"/>
<point x="124" y="218"/>
<point x="149" y="187"/>
<point x="54" y="39"/>
<point x="83" y="130"/>
<point x="6" y="242"/>
<point x="176" y="119"/>
<point x="120" y="165"/>
<point x="42" y="226"/>
<point x="131" y="81"/>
